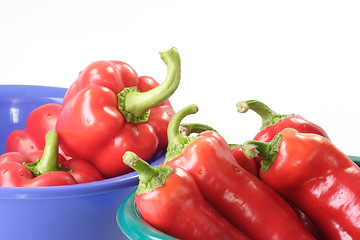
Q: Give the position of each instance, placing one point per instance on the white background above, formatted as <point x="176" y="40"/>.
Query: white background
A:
<point x="296" y="56"/>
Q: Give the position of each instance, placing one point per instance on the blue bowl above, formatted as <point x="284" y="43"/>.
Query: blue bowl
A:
<point x="82" y="211"/>
<point x="135" y="227"/>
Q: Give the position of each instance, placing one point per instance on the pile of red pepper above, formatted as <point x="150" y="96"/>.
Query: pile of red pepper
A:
<point x="107" y="111"/>
<point x="288" y="182"/>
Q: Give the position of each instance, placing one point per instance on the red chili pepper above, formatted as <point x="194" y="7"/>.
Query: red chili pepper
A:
<point x="41" y="120"/>
<point x="109" y="110"/>
<point x="239" y="196"/>
<point x="169" y="200"/>
<point x="308" y="170"/>
<point x="248" y="164"/>
<point x="251" y="166"/>
<point x="273" y="123"/>
<point x="44" y="168"/>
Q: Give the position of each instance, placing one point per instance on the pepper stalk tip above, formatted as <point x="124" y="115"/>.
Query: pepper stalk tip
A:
<point x="250" y="150"/>
<point x="242" y="107"/>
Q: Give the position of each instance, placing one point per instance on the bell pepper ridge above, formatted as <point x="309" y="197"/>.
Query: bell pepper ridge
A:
<point x="150" y="177"/>
<point x="178" y="141"/>
<point x="269" y="117"/>
<point x="49" y="160"/>
<point x="135" y="105"/>
<point x="267" y="151"/>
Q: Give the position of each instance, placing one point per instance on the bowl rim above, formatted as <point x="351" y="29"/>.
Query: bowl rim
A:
<point x="135" y="227"/>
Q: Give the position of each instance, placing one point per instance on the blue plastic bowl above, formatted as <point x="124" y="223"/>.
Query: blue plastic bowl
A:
<point x="136" y="228"/>
<point x="82" y="211"/>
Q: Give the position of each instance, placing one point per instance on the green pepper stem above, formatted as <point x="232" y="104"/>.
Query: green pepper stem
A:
<point x="267" y="151"/>
<point x="49" y="160"/>
<point x="269" y="117"/>
<point x="150" y="177"/>
<point x="138" y="103"/>
<point x="177" y="141"/>
<point x="189" y="128"/>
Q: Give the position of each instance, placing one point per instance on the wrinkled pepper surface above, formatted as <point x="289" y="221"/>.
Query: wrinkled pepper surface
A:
<point x="311" y="172"/>
<point x="169" y="200"/>
<point x="273" y="123"/>
<point x="44" y="168"/>
<point x="109" y="110"/>
<point x="239" y="196"/>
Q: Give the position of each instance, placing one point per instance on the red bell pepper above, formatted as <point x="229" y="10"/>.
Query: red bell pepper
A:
<point x="43" y="172"/>
<point x="169" y="200"/>
<point x="44" y="168"/>
<point x="309" y="171"/>
<point x="109" y="110"/>
<point x="273" y="123"/>
<point x="239" y="196"/>
<point x="38" y="123"/>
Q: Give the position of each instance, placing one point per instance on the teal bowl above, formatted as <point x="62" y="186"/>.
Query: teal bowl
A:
<point x="134" y="226"/>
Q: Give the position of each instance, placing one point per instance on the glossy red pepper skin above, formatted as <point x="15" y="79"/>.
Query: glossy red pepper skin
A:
<point x="319" y="179"/>
<point x="92" y="127"/>
<point x="178" y="209"/>
<point x="239" y="196"/>
<point x="38" y="123"/>
<point x="273" y="123"/>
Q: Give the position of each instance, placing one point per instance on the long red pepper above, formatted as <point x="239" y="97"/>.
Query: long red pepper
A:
<point x="273" y="122"/>
<point x="308" y="170"/>
<point x="170" y="201"/>
<point x="238" y="195"/>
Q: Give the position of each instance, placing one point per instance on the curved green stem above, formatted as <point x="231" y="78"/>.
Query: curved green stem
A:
<point x="267" y="151"/>
<point x="150" y="177"/>
<point x="269" y="117"/>
<point x="135" y="105"/>
<point x="177" y="142"/>
<point x="49" y="160"/>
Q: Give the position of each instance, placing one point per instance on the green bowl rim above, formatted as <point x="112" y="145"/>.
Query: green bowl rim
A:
<point x="134" y="226"/>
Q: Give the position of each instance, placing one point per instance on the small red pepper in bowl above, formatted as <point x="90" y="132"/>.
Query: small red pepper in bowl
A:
<point x="169" y="200"/>
<point x="248" y="203"/>
<point x="44" y="172"/>
<point x="311" y="172"/>
<point x="109" y="110"/>
<point x="44" y="167"/>
<point x="273" y="123"/>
